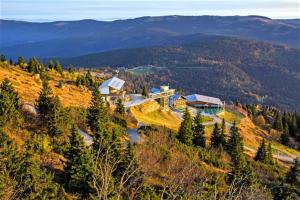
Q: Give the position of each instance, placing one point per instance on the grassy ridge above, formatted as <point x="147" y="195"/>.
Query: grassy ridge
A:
<point x="28" y="86"/>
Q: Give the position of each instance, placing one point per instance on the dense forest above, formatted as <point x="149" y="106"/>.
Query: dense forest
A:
<point x="230" y="68"/>
<point x="43" y="155"/>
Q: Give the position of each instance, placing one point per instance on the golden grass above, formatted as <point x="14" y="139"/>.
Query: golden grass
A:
<point x="150" y="113"/>
<point x="28" y="86"/>
<point x="253" y="135"/>
<point x="231" y="117"/>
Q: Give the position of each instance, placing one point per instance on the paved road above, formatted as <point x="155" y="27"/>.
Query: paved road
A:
<point x="136" y="99"/>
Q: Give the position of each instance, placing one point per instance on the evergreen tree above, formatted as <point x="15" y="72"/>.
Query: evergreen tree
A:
<point x="235" y="147"/>
<point x="145" y="91"/>
<point x="51" y="64"/>
<point x="269" y="154"/>
<point x="89" y="79"/>
<point x="278" y="122"/>
<point x="293" y="176"/>
<point x="43" y="104"/>
<point x="78" y="168"/>
<point x="120" y="109"/>
<point x="198" y="129"/>
<point x="21" y="61"/>
<point x="263" y="154"/>
<point x="285" y="140"/>
<point x="215" y="141"/>
<point x="223" y="133"/>
<point x="58" y="66"/>
<point x="9" y="103"/>
<point x="185" y="134"/>
<point x="55" y="118"/>
<point x="98" y="120"/>
<point x="25" y="179"/>
<point x="2" y="58"/>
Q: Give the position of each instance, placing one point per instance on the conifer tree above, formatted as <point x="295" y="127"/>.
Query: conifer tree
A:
<point x="215" y="141"/>
<point x="278" y="122"/>
<point x="285" y="140"/>
<point x="262" y="154"/>
<point x="223" y="133"/>
<point x="43" y="104"/>
<point x="2" y="58"/>
<point x="89" y="78"/>
<point x="9" y="102"/>
<point x="269" y="154"/>
<point x="51" y="64"/>
<point x="198" y="129"/>
<point x="185" y="134"/>
<point x="293" y="176"/>
<point x="58" y="66"/>
<point x="120" y="109"/>
<point x="55" y="118"/>
<point x="145" y="91"/>
<point x="78" y="167"/>
<point x="98" y="120"/>
<point x="235" y="147"/>
<point x="21" y="61"/>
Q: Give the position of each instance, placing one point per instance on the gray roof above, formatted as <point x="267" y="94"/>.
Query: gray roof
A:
<point x="202" y="98"/>
<point x="114" y="82"/>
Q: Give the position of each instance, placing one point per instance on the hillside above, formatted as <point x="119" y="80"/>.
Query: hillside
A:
<point x="73" y="38"/>
<point x="28" y="86"/>
<point x="230" y="68"/>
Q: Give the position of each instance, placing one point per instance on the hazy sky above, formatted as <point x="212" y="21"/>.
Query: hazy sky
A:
<point x="51" y="10"/>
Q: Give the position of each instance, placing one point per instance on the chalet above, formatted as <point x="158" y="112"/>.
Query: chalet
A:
<point x="209" y="105"/>
<point x="177" y="102"/>
<point x="112" y="88"/>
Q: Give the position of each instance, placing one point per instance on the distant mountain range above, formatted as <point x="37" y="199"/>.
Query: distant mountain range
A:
<point x="227" y="67"/>
<point x="74" y="38"/>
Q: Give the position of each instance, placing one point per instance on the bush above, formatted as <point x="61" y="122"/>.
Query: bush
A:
<point x="260" y="120"/>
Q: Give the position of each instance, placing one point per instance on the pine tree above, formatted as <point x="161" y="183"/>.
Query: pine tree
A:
<point x="98" y="120"/>
<point x="21" y="61"/>
<point x="215" y="137"/>
<point x="89" y="78"/>
<point x="235" y="147"/>
<point x="43" y="104"/>
<point x="223" y="133"/>
<point x="278" y="122"/>
<point x="9" y="103"/>
<point x="120" y="109"/>
<point x="262" y="154"/>
<point x="185" y="134"/>
<point x="285" y="140"/>
<point x="145" y="91"/>
<point x="2" y="58"/>
<point x="55" y="118"/>
<point x="293" y="176"/>
<point x="58" y="66"/>
<point x="198" y="130"/>
<point x="51" y="64"/>
<point x="78" y="168"/>
<point x="269" y="159"/>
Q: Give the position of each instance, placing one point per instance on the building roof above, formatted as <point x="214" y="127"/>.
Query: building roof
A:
<point x="177" y="96"/>
<point x="114" y="83"/>
<point x="154" y="90"/>
<point x="202" y="98"/>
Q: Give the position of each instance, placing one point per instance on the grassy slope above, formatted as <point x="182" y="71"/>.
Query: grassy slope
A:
<point x="29" y="86"/>
<point x="150" y="113"/>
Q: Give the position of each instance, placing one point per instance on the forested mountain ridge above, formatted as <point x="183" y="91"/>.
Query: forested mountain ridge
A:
<point x="55" y="144"/>
<point x="73" y="38"/>
<point x="231" y="68"/>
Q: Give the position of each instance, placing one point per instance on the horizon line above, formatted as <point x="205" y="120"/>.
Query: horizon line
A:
<point x="132" y="18"/>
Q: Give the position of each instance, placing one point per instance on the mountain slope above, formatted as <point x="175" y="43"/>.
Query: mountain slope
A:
<point x="73" y="38"/>
<point x="231" y="68"/>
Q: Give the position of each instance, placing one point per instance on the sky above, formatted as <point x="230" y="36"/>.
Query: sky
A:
<point x="108" y="10"/>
